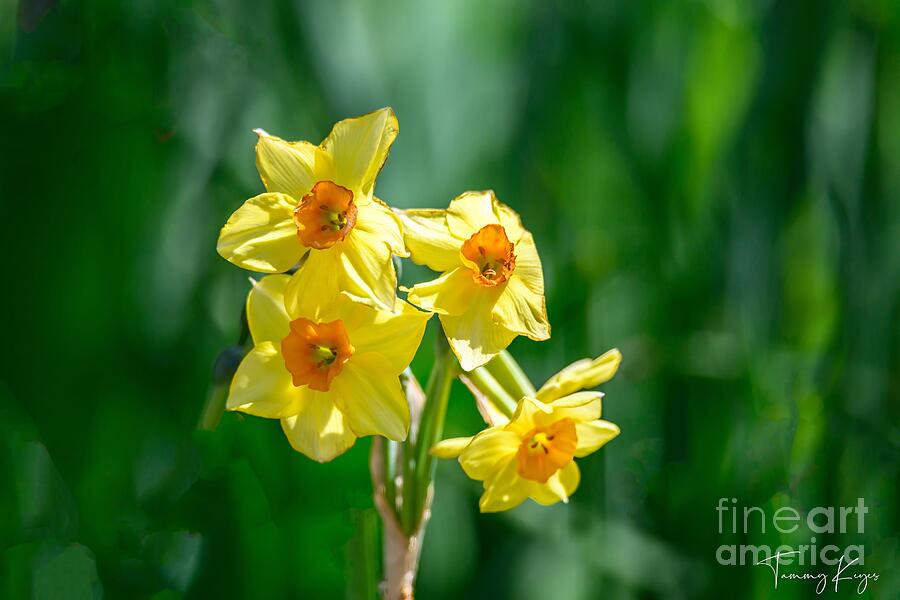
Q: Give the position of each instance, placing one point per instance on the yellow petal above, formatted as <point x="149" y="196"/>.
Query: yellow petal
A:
<point x="484" y="456"/>
<point x="559" y="487"/>
<point x="504" y="491"/>
<point x="475" y="342"/>
<point x="315" y="284"/>
<point x="266" y="315"/>
<point x="474" y="336"/>
<point x="380" y="222"/>
<point x="581" y="375"/>
<point x="471" y="211"/>
<point x="395" y="335"/>
<point x="528" y="412"/>
<point x="291" y="168"/>
<point x="366" y="271"/>
<point x="262" y="385"/>
<point x="570" y="477"/>
<point x="450" y="448"/>
<point x="359" y="147"/>
<point x="429" y="240"/>
<point x="528" y="265"/>
<point x="594" y="434"/>
<point x="580" y="407"/>
<point x="450" y="294"/>
<point x="319" y="430"/>
<point x="371" y="398"/>
<point x="521" y="307"/>
<point x="522" y="311"/>
<point x="261" y="235"/>
<point x="510" y="221"/>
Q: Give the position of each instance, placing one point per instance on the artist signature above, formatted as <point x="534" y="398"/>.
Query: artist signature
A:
<point x="821" y="579"/>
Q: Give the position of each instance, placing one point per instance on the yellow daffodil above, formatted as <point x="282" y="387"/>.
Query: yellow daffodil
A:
<point x="492" y="284"/>
<point x="320" y="206"/>
<point x="532" y="456"/>
<point x="329" y="372"/>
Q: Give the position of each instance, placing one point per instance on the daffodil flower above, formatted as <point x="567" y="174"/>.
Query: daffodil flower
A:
<point x="320" y="205"/>
<point x="330" y="372"/>
<point x="532" y="456"/>
<point x="492" y="284"/>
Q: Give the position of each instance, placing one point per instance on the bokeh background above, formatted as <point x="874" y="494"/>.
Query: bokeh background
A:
<point x="714" y="187"/>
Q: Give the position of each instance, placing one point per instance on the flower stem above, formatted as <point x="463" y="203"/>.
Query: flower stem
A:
<point x="405" y="518"/>
<point x="407" y="465"/>
<point x="431" y="428"/>
<point x="498" y="396"/>
<point x="400" y="549"/>
<point x="510" y="375"/>
<point x="389" y="465"/>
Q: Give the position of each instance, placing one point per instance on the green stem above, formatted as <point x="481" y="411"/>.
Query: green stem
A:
<point x="389" y="464"/>
<point x="491" y="388"/>
<point x="416" y="399"/>
<point x="399" y="455"/>
<point x="431" y="428"/>
<point x="407" y="506"/>
<point x="510" y="375"/>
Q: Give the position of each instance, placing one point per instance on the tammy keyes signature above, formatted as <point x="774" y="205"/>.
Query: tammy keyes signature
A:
<point x="821" y="579"/>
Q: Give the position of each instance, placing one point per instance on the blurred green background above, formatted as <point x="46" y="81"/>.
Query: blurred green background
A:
<point x="714" y="187"/>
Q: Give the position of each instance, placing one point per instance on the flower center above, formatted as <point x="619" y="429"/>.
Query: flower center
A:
<point x="545" y="450"/>
<point x="315" y="353"/>
<point x="325" y="215"/>
<point x="489" y="254"/>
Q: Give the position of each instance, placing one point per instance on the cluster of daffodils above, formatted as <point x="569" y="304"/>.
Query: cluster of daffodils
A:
<point x="331" y="337"/>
